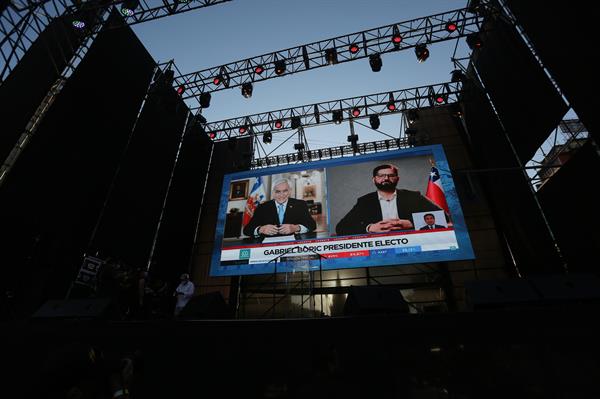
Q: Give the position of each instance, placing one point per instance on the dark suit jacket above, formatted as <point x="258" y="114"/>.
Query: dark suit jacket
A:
<point x="367" y="211"/>
<point x="296" y="212"/>
<point x="435" y="226"/>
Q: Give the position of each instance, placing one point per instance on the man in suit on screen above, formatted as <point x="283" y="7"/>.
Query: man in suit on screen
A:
<point x="281" y="215"/>
<point x="387" y="209"/>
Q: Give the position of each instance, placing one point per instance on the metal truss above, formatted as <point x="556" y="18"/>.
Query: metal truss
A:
<point x="326" y="112"/>
<point x="22" y="22"/>
<point x="330" y="153"/>
<point x="431" y="29"/>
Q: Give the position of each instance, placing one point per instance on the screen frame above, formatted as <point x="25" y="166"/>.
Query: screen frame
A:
<point x="464" y="251"/>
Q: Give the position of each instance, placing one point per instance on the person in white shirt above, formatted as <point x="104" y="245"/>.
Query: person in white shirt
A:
<point x="183" y="293"/>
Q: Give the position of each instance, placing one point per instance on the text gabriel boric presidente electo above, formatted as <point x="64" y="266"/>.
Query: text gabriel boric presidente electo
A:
<point x="337" y="247"/>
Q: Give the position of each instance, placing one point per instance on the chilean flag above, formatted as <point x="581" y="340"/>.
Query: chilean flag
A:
<point x="435" y="192"/>
<point x="257" y="195"/>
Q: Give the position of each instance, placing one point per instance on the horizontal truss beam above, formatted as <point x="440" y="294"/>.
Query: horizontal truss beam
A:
<point x="431" y="29"/>
<point x="22" y="23"/>
<point x="330" y="153"/>
<point x="322" y="113"/>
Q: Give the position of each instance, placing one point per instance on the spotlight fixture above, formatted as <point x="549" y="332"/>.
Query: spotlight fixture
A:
<point x="457" y="76"/>
<point x="391" y="104"/>
<point x="212" y="135"/>
<point x="243" y="129"/>
<point x="439" y="99"/>
<point x="355" y="112"/>
<point x="128" y="7"/>
<point x="247" y="90"/>
<point x="217" y="80"/>
<point x="412" y="115"/>
<point x="180" y="89"/>
<point x="267" y="137"/>
<point x="354" y="48"/>
<point x="295" y="122"/>
<point x="331" y="56"/>
<point x="279" y="67"/>
<point x="374" y="121"/>
<point x="421" y="52"/>
<point x="205" y="100"/>
<point x="474" y="41"/>
<point x="375" y="62"/>
<point x="396" y="37"/>
<point x="451" y="26"/>
<point x="353" y="139"/>
<point x="299" y="146"/>
<point x="259" y="69"/>
<point x="278" y="124"/>
<point x="78" y="24"/>
<point x="337" y="116"/>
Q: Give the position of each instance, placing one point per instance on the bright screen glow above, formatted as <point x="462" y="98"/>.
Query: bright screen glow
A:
<point x="336" y="214"/>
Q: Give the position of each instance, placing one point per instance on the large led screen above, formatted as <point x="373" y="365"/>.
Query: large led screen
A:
<point x="394" y="208"/>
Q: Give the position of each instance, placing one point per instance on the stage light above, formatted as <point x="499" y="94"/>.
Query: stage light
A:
<point x="180" y="89"/>
<point x="451" y="26"/>
<point x="128" y="7"/>
<point x="279" y="67"/>
<point x="267" y="137"/>
<point x="396" y="38"/>
<point x="353" y="48"/>
<point x="212" y="135"/>
<point x="439" y="99"/>
<point x="421" y="52"/>
<point x="295" y="122"/>
<point x="412" y="116"/>
<point x="391" y="104"/>
<point x="337" y="116"/>
<point x="78" y="24"/>
<point x="278" y="124"/>
<point x="243" y="129"/>
<point x="259" y="69"/>
<point x="217" y="80"/>
<point x="353" y="138"/>
<point x="355" y="112"/>
<point x="331" y="56"/>
<point x="375" y="62"/>
<point x="374" y="122"/>
<point x="205" y="100"/>
<point x="474" y="41"/>
<point x="247" y="90"/>
<point x="457" y="76"/>
<point x="299" y="146"/>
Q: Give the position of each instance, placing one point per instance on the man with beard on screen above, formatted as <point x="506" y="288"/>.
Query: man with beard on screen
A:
<point x="387" y="209"/>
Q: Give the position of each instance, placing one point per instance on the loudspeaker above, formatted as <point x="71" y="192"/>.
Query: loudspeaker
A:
<point x="91" y="308"/>
<point x="498" y="294"/>
<point x="207" y="306"/>
<point x="374" y="300"/>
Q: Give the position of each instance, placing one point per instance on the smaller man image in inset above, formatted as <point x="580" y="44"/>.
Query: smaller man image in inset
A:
<point x="429" y="219"/>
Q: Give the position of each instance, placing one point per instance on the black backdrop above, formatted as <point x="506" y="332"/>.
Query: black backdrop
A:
<point x="52" y="197"/>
